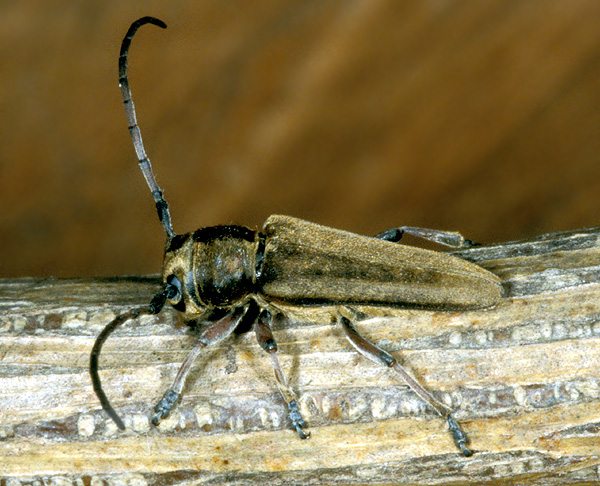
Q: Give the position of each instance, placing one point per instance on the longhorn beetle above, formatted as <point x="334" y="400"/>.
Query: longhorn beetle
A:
<point x="222" y="277"/>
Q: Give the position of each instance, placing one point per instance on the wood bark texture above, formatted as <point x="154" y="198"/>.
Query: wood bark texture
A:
<point x="522" y="377"/>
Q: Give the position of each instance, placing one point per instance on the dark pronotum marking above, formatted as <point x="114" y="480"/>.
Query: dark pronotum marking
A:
<point x="177" y="242"/>
<point x="223" y="231"/>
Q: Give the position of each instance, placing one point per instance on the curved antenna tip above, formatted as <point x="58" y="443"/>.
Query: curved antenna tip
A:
<point x="150" y="20"/>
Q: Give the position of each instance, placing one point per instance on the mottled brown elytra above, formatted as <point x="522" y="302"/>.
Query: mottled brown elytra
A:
<point x="226" y="276"/>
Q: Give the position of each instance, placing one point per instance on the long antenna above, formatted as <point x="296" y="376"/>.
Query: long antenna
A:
<point x="154" y="308"/>
<point x="134" y="130"/>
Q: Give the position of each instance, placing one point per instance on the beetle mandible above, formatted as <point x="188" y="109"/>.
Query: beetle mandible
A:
<point x="222" y="276"/>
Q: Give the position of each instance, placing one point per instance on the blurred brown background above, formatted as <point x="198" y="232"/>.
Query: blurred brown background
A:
<point x="480" y="116"/>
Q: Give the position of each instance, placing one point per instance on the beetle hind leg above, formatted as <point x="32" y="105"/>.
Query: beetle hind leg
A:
<point x="447" y="238"/>
<point x="378" y="355"/>
<point x="265" y="338"/>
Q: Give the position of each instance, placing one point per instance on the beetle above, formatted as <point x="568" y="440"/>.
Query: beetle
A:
<point x="222" y="277"/>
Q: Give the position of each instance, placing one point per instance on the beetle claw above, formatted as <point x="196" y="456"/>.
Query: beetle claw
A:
<point x="301" y="433"/>
<point x="297" y="421"/>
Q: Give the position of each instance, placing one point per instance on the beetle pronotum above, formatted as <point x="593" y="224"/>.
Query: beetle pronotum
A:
<point x="224" y="276"/>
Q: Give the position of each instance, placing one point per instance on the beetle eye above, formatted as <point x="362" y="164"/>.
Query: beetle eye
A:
<point x="174" y="289"/>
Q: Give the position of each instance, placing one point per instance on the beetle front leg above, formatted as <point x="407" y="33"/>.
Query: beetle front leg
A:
<point x="380" y="356"/>
<point x="215" y="333"/>
<point x="447" y="238"/>
<point x="265" y="338"/>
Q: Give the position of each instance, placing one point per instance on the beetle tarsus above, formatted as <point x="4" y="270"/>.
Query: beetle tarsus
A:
<point x="164" y="407"/>
<point x="297" y="421"/>
<point x="460" y="438"/>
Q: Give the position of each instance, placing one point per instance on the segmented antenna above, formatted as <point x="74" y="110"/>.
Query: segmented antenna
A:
<point x="134" y="130"/>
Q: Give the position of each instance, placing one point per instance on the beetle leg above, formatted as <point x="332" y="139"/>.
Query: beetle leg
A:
<point x="447" y="238"/>
<point x="265" y="338"/>
<point x="214" y="333"/>
<point x="380" y="356"/>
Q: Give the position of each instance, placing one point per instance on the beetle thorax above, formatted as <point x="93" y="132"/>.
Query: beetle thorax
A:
<point x="216" y="265"/>
<point x="224" y="270"/>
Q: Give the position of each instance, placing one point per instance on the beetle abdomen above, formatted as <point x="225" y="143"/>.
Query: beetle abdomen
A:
<point x="306" y="262"/>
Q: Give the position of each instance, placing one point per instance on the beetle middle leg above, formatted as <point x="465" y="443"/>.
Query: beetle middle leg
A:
<point x="265" y="338"/>
<point x="378" y="355"/>
<point x="447" y="238"/>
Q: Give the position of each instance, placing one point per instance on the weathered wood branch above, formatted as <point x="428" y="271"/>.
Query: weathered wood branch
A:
<point x="523" y="377"/>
